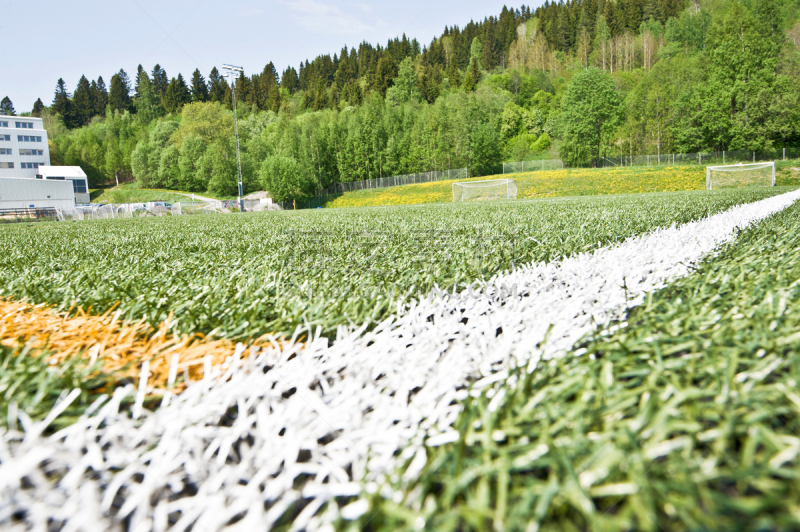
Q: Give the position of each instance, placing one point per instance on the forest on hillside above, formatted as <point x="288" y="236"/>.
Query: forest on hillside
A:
<point x="580" y="79"/>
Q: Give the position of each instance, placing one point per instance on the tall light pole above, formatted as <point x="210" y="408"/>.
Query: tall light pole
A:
<point x="230" y="71"/>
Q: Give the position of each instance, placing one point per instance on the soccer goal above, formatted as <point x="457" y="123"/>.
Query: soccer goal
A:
<point x="740" y="175"/>
<point x="485" y="190"/>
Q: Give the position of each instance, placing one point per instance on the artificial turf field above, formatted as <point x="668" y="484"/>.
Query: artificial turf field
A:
<point x="685" y="418"/>
<point x="619" y="437"/>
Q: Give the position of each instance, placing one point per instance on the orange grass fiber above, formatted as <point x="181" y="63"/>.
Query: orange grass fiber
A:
<point x="120" y="346"/>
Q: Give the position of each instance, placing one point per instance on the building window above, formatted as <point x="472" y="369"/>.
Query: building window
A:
<point x="38" y="176"/>
<point x="56" y="178"/>
<point x="24" y="125"/>
<point x="26" y="138"/>
<point x="30" y="166"/>
<point x="5" y="137"/>
<point x="29" y="152"/>
<point x="6" y="165"/>
<point x="3" y="124"/>
<point x="79" y="186"/>
<point x="6" y="151"/>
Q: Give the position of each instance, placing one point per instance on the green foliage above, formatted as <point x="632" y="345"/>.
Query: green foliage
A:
<point x="404" y="88"/>
<point x="38" y="107"/>
<point x="6" y="107"/>
<point x="146" y="158"/>
<point x="169" y="174"/>
<point x="590" y="113"/>
<point x="684" y="417"/>
<point x="723" y="78"/>
<point x="210" y="122"/>
<point x="542" y="143"/>
<point x="248" y="275"/>
<point x="218" y="168"/>
<point x="191" y="153"/>
<point x="119" y="96"/>
<point x="285" y="179"/>
<point x="485" y="151"/>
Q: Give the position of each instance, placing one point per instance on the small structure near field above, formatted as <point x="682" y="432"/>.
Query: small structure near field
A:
<point x="26" y="193"/>
<point x="73" y="175"/>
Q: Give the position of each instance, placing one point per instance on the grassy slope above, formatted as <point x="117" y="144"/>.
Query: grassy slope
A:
<point x="577" y="182"/>
<point x="131" y="193"/>
<point x="687" y="419"/>
<point x="258" y="273"/>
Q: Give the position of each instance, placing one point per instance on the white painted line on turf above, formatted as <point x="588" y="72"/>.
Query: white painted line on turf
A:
<point x="299" y="426"/>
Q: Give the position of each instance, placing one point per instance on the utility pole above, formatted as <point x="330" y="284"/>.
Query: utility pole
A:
<point x="230" y="71"/>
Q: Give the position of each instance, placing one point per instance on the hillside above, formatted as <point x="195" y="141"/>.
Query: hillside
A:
<point x="578" y="80"/>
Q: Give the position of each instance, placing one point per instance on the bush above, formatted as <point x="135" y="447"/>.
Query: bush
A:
<point x="542" y="143"/>
<point x="285" y="179"/>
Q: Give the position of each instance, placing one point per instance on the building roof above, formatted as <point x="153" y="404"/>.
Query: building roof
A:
<point x="9" y="118"/>
<point x="61" y="171"/>
<point x="13" y="117"/>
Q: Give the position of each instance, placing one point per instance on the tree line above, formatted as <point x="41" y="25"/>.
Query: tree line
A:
<point x="581" y="80"/>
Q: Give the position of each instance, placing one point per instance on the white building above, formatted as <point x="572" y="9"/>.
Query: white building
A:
<point x="73" y="174"/>
<point x="23" y="146"/>
<point x="27" y="193"/>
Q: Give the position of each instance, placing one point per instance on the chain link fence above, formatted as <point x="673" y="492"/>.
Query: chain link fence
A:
<point x="331" y="192"/>
<point x="665" y="159"/>
<point x="533" y="166"/>
<point x="397" y="181"/>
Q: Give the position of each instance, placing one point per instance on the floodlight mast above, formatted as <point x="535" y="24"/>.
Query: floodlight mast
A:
<point x="230" y="69"/>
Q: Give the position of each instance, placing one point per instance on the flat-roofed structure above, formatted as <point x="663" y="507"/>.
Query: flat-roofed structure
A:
<point x="74" y="174"/>
<point x="23" y="146"/>
<point x="26" y="193"/>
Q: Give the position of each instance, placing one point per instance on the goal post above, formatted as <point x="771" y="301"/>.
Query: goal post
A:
<point x="740" y="175"/>
<point x="492" y="189"/>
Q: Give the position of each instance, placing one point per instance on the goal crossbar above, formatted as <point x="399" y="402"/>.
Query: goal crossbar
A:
<point x="731" y="168"/>
<point x="509" y="186"/>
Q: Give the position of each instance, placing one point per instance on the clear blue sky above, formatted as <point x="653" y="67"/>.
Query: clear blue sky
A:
<point x="46" y="40"/>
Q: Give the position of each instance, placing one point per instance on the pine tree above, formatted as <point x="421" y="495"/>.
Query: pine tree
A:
<point x="38" y="107"/>
<point x="160" y="80"/>
<point x="148" y="103"/>
<point x="177" y="95"/>
<point x="199" y="87"/>
<point x="384" y="75"/>
<point x="453" y="75"/>
<point x="83" y="102"/>
<point x="100" y="97"/>
<point x="473" y="75"/>
<point x="243" y="88"/>
<point x="7" y="108"/>
<point x="62" y="104"/>
<point x="320" y="95"/>
<point x="136" y="90"/>
<point x="216" y="86"/>
<point x="119" y="96"/>
<point x="290" y="81"/>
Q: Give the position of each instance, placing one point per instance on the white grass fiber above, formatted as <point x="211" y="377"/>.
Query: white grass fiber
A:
<point x="287" y="430"/>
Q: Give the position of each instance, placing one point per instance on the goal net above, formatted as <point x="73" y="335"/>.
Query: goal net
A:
<point x="485" y="190"/>
<point x="740" y="175"/>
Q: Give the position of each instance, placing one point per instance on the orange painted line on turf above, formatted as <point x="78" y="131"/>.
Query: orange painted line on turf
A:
<point x="119" y="346"/>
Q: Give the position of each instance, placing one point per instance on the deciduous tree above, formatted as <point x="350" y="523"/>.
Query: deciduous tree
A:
<point x="590" y="113"/>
